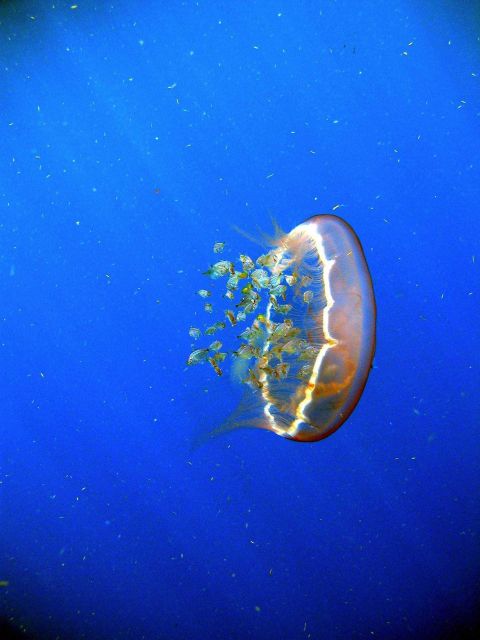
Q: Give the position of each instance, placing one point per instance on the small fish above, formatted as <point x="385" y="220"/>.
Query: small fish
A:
<point x="250" y="301"/>
<point x="294" y="346"/>
<point x="197" y="356"/>
<point x="231" y="316"/>
<point x="247" y="351"/>
<point x="279" y="290"/>
<point x="276" y="279"/>
<point x="268" y="260"/>
<point x="220" y="269"/>
<point x="306" y="281"/>
<point x="215" y="359"/>
<point x="283" y="308"/>
<point x="307" y="296"/>
<point x="208" y="307"/>
<point x="232" y="282"/>
<point x="247" y="288"/>
<point x="203" y="293"/>
<point x="218" y="247"/>
<point x="194" y="333"/>
<point x="252" y="379"/>
<point x="266" y="368"/>
<point x="209" y="331"/>
<point x="247" y="263"/>
<point x="215" y="346"/>
<point x="304" y="372"/>
<point x="281" y="370"/>
<point x="280" y="308"/>
<point x="283" y="330"/>
<point x="252" y="333"/>
<point x="215" y="366"/>
<point x="260" y="279"/>
<point x="309" y="353"/>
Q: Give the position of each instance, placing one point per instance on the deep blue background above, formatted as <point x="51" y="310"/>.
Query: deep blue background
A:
<point x="133" y="136"/>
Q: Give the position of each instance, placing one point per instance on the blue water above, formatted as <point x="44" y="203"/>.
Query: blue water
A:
<point x="134" y="136"/>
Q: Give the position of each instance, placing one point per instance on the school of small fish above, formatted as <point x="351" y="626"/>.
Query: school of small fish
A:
<point x="265" y="341"/>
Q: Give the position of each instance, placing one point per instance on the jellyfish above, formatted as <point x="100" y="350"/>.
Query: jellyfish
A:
<point x="307" y="350"/>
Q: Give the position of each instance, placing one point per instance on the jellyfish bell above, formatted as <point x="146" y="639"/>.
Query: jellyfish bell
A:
<point x="307" y="356"/>
<point x="339" y="323"/>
